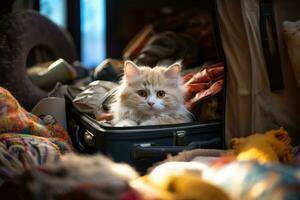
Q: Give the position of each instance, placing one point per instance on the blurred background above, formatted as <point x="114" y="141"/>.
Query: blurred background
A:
<point x="89" y="40"/>
<point x="102" y="28"/>
<point x="85" y="20"/>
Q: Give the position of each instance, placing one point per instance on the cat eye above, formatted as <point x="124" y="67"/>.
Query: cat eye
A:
<point x="160" y="94"/>
<point x="142" y="93"/>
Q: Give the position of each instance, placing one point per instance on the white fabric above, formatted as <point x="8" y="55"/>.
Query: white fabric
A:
<point x="90" y="100"/>
<point x="250" y="105"/>
<point x="238" y="77"/>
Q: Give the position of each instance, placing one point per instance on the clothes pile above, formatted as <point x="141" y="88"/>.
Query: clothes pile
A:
<point x="27" y="140"/>
<point x="200" y="88"/>
<point x="202" y="92"/>
<point x="38" y="162"/>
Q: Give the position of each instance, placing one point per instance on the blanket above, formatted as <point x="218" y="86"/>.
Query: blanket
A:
<point x="239" y="179"/>
<point x="252" y="180"/>
<point x="27" y="140"/>
<point x="36" y="163"/>
<point x="92" y="177"/>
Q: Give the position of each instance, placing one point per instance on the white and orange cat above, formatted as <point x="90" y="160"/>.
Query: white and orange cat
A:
<point x="150" y="96"/>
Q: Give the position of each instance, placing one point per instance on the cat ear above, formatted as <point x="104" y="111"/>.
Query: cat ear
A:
<point x="131" y="70"/>
<point x="173" y="71"/>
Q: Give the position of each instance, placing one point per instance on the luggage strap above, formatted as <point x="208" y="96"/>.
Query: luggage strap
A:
<point x="270" y="45"/>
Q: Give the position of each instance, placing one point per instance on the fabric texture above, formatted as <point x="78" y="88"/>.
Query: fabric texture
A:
<point x="255" y="181"/>
<point x="15" y="119"/>
<point x="20" y="151"/>
<point x="248" y="95"/>
<point x="109" y="70"/>
<point x="239" y="179"/>
<point x="291" y="32"/>
<point x="296" y="152"/>
<point x="199" y="86"/>
<point x="25" y="139"/>
<point x="72" y="177"/>
<point x="203" y="84"/>
<point x="166" y="48"/>
<point x="47" y="75"/>
<point x="94" y="97"/>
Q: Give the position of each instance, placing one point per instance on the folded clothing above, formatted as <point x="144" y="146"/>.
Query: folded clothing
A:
<point x="200" y="87"/>
<point x="186" y="35"/>
<point x="168" y="47"/>
<point x="95" y="97"/>
<point x="109" y="70"/>
<point x="205" y="83"/>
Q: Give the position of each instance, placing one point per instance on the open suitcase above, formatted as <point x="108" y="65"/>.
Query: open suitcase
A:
<point x="145" y="145"/>
<point x="139" y="146"/>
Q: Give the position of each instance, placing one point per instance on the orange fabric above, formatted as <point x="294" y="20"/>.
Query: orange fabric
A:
<point x="104" y="116"/>
<point x="15" y="119"/>
<point x="203" y="84"/>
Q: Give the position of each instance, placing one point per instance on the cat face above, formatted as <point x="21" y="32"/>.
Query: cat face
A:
<point x="151" y="90"/>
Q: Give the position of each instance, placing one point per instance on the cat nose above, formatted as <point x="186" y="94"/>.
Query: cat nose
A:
<point x="150" y="103"/>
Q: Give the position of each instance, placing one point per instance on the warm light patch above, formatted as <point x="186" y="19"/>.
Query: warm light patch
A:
<point x="254" y="153"/>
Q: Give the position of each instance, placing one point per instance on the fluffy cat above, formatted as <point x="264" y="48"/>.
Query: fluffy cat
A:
<point x="150" y="96"/>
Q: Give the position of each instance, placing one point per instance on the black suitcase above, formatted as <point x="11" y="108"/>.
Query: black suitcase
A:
<point x="139" y="146"/>
<point x="143" y="146"/>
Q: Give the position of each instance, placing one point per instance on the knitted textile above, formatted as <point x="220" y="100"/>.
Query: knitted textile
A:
<point x="25" y="139"/>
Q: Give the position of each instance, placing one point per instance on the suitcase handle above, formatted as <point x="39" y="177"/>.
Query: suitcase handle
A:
<point x="142" y="152"/>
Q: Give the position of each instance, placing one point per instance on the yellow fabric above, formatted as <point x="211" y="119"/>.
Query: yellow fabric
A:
<point x="270" y="147"/>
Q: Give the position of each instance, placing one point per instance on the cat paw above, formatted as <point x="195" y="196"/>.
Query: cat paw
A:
<point x="126" y="122"/>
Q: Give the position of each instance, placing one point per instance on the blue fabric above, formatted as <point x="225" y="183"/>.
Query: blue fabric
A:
<point x="251" y="180"/>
